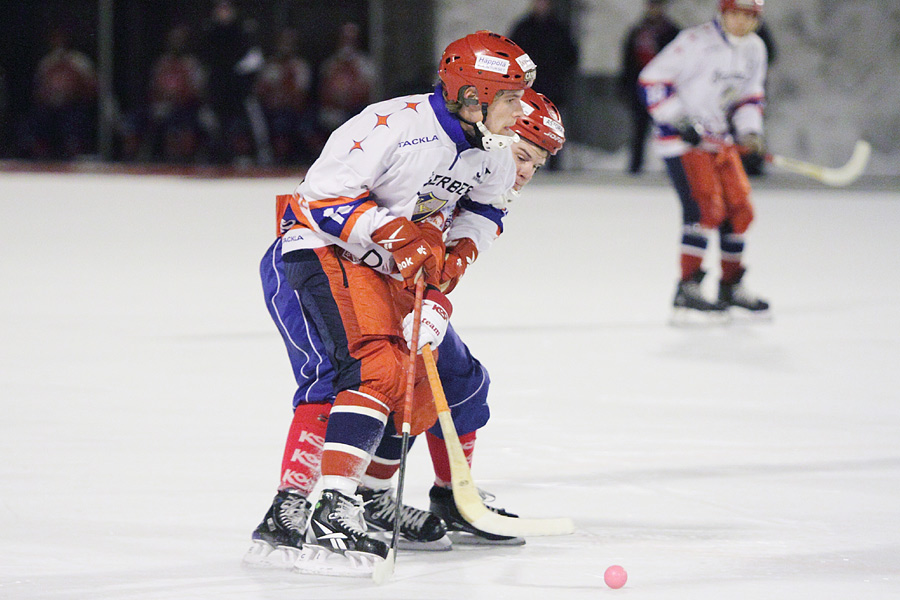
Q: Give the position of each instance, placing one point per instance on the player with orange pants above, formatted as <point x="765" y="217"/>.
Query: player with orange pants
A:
<point x="392" y="186"/>
<point x="464" y="378"/>
<point x="703" y="90"/>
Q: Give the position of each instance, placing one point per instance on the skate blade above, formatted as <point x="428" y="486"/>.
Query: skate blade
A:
<point x="316" y="560"/>
<point x="740" y="315"/>
<point x="440" y="545"/>
<point x="262" y="555"/>
<point x="464" y="538"/>
<point x="689" y="317"/>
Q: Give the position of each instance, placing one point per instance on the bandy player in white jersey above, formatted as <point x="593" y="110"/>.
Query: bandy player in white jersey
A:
<point x="374" y="211"/>
<point x="703" y="90"/>
<point x="277" y="540"/>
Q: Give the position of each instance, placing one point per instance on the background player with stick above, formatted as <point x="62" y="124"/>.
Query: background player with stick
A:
<point x="702" y="90"/>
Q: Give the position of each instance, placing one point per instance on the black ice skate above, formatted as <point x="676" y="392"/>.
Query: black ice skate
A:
<point x="735" y="294"/>
<point x="461" y="531"/>
<point x="337" y="540"/>
<point x="689" y="303"/>
<point x="419" y="529"/>
<point x="278" y="539"/>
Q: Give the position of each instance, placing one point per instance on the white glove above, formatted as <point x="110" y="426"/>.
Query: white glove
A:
<point x="436" y="310"/>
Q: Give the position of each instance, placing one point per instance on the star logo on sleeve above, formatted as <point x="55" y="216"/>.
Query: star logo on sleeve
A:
<point x="382" y="120"/>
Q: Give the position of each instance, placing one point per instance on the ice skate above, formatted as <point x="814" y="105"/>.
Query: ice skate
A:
<point x="337" y="540"/>
<point x="735" y="294"/>
<point x="691" y="308"/>
<point x="461" y="531"/>
<point x="278" y="539"/>
<point x="419" y="529"/>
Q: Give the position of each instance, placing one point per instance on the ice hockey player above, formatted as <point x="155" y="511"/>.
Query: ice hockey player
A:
<point x="704" y="90"/>
<point x="369" y="218"/>
<point x="465" y="380"/>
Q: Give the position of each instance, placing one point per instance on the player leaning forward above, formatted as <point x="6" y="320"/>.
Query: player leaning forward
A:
<point x="704" y="86"/>
<point x="370" y="216"/>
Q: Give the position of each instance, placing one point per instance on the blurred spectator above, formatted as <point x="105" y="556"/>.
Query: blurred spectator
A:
<point x="170" y="128"/>
<point x="644" y="41"/>
<point x="549" y="43"/>
<point x="61" y="124"/>
<point x="4" y="118"/>
<point x="233" y="61"/>
<point x="766" y="35"/>
<point x="283" y="89"/>
<point x="346" y="80"/>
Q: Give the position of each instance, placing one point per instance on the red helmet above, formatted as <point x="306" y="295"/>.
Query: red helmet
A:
<point x="541" y="124"/>
<point x="750" y="6"/>
<point x="488" y="61"/>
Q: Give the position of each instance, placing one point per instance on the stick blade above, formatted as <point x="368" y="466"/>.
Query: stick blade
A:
<point x="384" y="570"/>
<point x="851" y="171"/>
<point x="837" y="177"/>
<point x="524" y="527"/>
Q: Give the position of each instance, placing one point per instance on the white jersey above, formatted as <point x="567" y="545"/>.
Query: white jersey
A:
<point x="708" y="77"/>
<point x="405" y="157"/>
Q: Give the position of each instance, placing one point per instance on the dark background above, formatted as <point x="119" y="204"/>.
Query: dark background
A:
<point x="140" y="28"/>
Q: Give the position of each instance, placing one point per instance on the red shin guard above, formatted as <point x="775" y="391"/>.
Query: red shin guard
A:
<point x="303" y="450"/>
<point x="441" y="461"/>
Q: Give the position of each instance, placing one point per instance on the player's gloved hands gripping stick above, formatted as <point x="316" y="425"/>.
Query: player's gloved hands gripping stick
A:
<point x="459" y="257"/>
<point x="436" y="311"/>
<point x="691" y="132"/>
<point x="414" y="248"/>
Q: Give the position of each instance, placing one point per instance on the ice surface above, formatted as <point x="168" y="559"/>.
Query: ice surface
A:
<point x="145" y="398"/>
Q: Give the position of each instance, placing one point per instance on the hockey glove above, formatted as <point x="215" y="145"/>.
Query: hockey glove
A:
<point x="436" y="311"/>
<point x="752" y="143"/>
<point x="691" y="132"/>
<point x="414" y="248"/>
<point x="458" y="259"/>
<point x="753" y="151"/>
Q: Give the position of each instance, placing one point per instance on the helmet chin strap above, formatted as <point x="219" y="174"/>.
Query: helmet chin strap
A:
<point x="484" y="139"/>
<point x="493" y="141"/>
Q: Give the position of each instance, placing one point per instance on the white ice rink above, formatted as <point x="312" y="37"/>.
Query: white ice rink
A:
<point x="145" y="397"/>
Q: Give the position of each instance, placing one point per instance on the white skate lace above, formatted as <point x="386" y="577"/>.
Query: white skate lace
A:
<point x="349" y="515"/>
<point x="488" y="497"/>
<point x="294" y="513"/>
<point x="385" y="508"/>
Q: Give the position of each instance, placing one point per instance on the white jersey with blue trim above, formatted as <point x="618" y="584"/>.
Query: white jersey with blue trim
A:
<point x="708" y="77"/>
<point x="404" y="157"/>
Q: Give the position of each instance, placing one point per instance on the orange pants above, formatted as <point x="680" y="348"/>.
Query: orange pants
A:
<point x="358" y="314"/>
<point x="719" y="186"/>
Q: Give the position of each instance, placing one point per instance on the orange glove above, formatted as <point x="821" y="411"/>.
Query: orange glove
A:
<point x="412" y="247"/>
<point x="458" y="259"/>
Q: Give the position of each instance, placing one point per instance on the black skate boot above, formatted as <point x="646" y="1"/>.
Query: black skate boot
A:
<point x="690" y="307"/>
<point x="419" y="529"/>
<point x="689" y="295"/>
<point x="279" y="537"/>
<point x="735" y="294"/>
<point x="337" y="540"/>
<point x="461" y="531"/>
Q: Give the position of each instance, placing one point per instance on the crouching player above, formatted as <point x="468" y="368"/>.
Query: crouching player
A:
<point x="369" y="217"/>
<point x="465" y="380"/>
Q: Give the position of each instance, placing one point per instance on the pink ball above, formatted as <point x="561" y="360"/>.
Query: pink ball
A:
<point x="615" y="577"/>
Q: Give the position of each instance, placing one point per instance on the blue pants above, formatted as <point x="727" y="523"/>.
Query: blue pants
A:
<point x="464" y="379"/>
